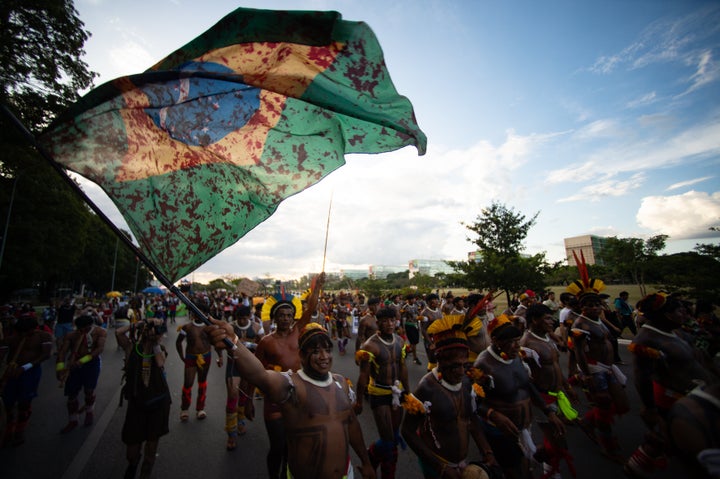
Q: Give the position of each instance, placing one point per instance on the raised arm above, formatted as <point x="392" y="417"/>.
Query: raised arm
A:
<point x="274" y="385"/>
<point x="312" y="301"/>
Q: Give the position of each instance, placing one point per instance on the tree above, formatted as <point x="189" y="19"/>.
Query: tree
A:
<point x="397" y="281"/>
<point x="709" y="249"/>
<point x="501" y="232"/>
<point x="52" y="238"/>
<point x="696" y="276"/>
<point x="562" y="274"/>
<point x="41" y="49"/>
<point x="632" y="257"/>
<point x="372" y="287"/>
<point x="218" y="283"/>
<point x="423" y="283"/>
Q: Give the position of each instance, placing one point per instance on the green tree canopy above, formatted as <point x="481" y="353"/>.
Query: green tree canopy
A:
<point x="630" y="258"/>
<point x="52" y="238"/>
<point x="696" y="276"/>
<point x="500" y="234"/>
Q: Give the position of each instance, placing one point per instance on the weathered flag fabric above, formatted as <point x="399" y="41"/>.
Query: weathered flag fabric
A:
<point x="203" y="147"/>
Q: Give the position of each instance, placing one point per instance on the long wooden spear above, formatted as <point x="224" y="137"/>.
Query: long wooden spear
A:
<point x="327" y="232"/>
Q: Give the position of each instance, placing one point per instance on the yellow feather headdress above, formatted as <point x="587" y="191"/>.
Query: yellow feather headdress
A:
<point x="452" y="332"/>
<point x="272" y="303"/>
<point x="585" y="285"/>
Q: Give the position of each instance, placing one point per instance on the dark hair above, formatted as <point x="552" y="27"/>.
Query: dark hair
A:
<point x="83" y="321"/>
<point x="537" y="311"/>
<point x="473" y="299"/>
<point x="432" y="296"/>
<point x="566" y="297"/>
<point x="317" y="341"/>
<point x="202" y="305"/>
<point x="443" y="353"/>
<point x="282" y="304"/>
<point x="374" y="300"/>
<point x="385" y="313"/>
<point x="241" y="311"/>
<point x="624" y="293"/>
<point x="589" y="298"/>
<point x="654" y="306"/>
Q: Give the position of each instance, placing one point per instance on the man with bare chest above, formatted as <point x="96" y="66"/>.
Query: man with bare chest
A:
<point x="22" y="351"/>
<point x="603" y="380"/>
<point x="509" y="394"/>
<point x="544" y="362"/>
<point x="315" y="405"/>
<point x="368" y="323"/>
<point x="478" y="341"/>
<point x="383" y="376"/>
<point x="196" y="358"/>
<point x="239" y="404"/>
<point x="440" y="433"/>
<point x="430" y="313"/>
<point x="78" y="365"/>
<point x="279" y="351"/>
<point x="666" y="368"/>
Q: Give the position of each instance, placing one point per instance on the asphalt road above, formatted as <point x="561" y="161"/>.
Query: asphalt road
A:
<point x="196" y="449"/>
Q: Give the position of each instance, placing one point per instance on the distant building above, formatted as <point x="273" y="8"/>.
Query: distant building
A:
<point x="428" y="267"/>
<point x="379" y="271"/>
<point x="354" y="273"/>
<point x="590" y="245"/>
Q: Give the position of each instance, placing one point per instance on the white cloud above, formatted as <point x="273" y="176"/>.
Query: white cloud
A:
<point x="602" y="189"/>
<point x="128" y="58"/>
<point x="707" y="71"/>
<point x="683" y="184"/>
<point x="665" y="40"/>
<point x="606" y="64"/>
<point x="387" y="209"/>
<point x="640" y="155"/>
<point x="597" y="129"/>
<point x="644" y="100"/>
<point x="686" y="216"/>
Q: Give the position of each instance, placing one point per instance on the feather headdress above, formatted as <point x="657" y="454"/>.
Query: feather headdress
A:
<point x="480" y="305"/>
<point x="501" y="327"/>
<point x="452" y="332"/>
<point x="585" y="285"/>
<point x="281" y="298"/>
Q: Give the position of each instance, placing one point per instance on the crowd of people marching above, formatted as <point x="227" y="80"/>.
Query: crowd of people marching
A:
<point x="490" y="376"/>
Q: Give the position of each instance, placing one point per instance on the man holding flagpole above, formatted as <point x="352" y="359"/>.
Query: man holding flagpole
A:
<point x="279" y="351"/>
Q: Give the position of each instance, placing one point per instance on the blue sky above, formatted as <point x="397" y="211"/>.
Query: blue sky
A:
<point x="603" y="116"/>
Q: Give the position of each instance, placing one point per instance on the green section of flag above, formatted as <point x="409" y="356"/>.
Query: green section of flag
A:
<point x="177" y="168"/>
